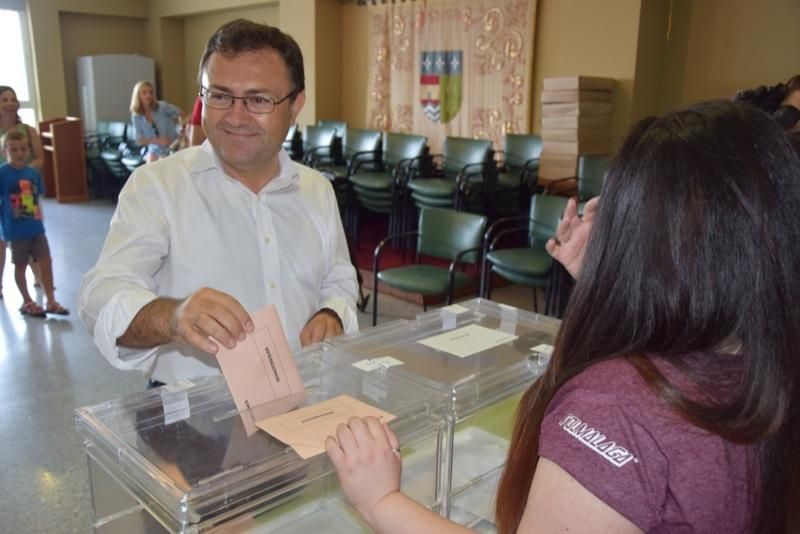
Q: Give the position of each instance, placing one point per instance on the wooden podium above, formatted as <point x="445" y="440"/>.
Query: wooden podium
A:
<point x="64" y="167"/>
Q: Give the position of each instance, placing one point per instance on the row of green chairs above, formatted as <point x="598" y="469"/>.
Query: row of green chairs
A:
<point x="397" y="176"/>
<point x="392" y="174"/>
<point x="463" y="239"/>
<point x="367" y="169"/>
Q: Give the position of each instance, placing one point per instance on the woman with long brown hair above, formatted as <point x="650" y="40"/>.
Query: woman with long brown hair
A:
<point x="671" y="401"/>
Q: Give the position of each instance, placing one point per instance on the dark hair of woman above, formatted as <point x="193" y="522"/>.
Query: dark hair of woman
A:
<point x="694" y="252"/>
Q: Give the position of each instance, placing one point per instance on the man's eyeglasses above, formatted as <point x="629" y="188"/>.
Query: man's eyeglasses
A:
<point x="254" y="103"/>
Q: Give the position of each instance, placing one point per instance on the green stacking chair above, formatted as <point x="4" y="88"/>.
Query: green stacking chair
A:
<point x="106" y="138"/>
<point x="442" y="233"/>
<point x="114" y="148"/>
<point x="339" y="126"/>
<point x="335" y="152"/>
<point x="293" y="143"/>
<point x="98" y="174"/>
<point x="116" y="133"/>
<point x="317" y="141"/>
<point x="132" y="152"/>
<point x="381" y="189"/>
<point x="528" y="266"/>
<point x="517" y="174"/>
<point x="461" y="180"/>
<point x="361" y="149"/>
<point x="591" y="173"/>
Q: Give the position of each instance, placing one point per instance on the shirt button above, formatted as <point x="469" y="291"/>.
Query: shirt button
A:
<point x="272" y="285"/>
<point x="266" y="240"/>
<point x="263" y="199"/>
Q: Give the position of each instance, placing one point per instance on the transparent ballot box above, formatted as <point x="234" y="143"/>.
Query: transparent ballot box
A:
<point x="182" y="459"/>
<point x="482" y="356"/>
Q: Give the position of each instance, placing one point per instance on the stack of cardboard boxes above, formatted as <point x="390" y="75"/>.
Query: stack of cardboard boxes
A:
<point x="576" y="120"/>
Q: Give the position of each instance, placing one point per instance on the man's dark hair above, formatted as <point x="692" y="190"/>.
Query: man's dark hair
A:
<point x="240" y="35"/>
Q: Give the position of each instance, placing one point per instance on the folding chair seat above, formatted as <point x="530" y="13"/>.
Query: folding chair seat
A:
<point x="444" y="234"/>
<point x="528" y="266"/>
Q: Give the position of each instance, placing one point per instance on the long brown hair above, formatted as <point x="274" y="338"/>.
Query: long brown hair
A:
<point x="695" y="247"/>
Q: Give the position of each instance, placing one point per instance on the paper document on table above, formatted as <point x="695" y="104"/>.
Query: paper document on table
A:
<point x="306" y="429"/>
<point x="468" y="340"/>
<point x="261" y="368"/>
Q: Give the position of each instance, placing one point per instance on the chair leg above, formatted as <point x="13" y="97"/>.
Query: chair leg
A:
<point x="488" y="287"/>
<point x="535" y="301"/>
<point x="482" y="283"/>
<point x="549" y="293"/>
<point x="375" y="298"/>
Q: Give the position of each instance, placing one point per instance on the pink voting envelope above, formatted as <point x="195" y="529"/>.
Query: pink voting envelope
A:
<point x="261" y="369"/>
<point x="306" y="429"/>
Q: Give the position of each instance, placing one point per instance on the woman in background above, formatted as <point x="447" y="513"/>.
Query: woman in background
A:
<point x="155" y="122"/>
<point x="677" y="353"/>
<point x="10" y="121"/>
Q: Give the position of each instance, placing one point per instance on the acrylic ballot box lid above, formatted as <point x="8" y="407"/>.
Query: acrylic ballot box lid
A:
<point x="470" y="382"/>
<point x="184" y="451"/>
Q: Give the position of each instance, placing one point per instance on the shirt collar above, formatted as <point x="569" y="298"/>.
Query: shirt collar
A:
<point x="207" y="159"/>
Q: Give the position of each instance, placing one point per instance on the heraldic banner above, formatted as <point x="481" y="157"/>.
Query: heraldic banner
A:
<point x="452" y="67"/>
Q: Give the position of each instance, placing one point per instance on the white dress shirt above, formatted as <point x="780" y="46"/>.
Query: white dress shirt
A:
<point x="182" y="224"/>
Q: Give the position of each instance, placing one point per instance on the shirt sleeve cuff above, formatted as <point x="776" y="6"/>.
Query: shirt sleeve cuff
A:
<point x="113" y="321"/>
<point x="346" y="312"/>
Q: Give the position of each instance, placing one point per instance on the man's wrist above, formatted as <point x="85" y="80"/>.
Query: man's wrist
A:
<point x="153" y="325"/>
<point x="332" y="313"/>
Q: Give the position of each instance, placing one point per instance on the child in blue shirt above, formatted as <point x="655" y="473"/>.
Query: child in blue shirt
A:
<point x="21" y="215"/>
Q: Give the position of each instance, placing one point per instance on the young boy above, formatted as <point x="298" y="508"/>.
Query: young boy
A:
<point x="20" y="188"/>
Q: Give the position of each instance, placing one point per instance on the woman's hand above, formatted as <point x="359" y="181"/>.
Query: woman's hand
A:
<point x="366" y="455"/>
<point x="572" y="234"/>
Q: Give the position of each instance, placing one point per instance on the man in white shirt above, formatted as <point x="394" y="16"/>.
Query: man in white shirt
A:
<point x="214" y="232"/>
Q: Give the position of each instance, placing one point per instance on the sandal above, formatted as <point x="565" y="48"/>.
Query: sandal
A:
<point x="57" y="309"/>
<point x="32" y="309"/>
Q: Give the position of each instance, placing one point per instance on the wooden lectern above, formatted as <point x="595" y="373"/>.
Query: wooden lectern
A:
<point x="64" y="167"/>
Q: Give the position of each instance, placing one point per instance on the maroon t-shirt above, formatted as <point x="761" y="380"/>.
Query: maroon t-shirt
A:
<point x="630" y="449"/>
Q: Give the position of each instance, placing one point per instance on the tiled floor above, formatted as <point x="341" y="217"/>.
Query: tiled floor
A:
<point x="48" y="367"/>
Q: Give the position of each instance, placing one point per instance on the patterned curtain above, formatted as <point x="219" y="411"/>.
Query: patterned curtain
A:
<point x="452" y="67"/>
